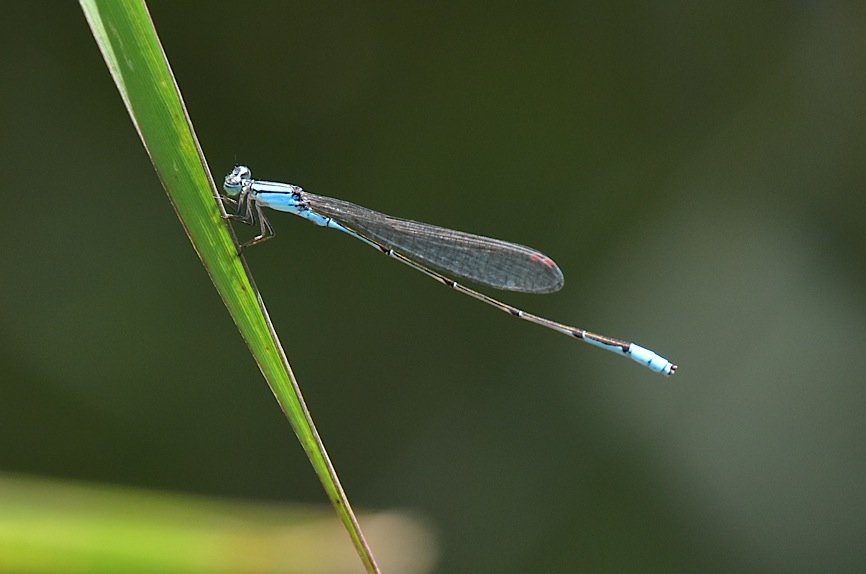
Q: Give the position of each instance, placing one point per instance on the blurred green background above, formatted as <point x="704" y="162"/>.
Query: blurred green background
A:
<point x="698" y="171"/>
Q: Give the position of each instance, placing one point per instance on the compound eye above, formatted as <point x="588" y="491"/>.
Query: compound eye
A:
<point x="235" y="181"/>
<point x="241" y="172"/>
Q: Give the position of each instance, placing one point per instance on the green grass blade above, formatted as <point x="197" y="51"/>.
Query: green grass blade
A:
<point x="129" y="44"/>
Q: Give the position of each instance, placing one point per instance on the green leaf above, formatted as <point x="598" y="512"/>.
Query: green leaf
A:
<point x="135" y="58"/>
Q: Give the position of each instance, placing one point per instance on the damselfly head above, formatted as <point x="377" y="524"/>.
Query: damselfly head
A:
<point x="236" y="180"/>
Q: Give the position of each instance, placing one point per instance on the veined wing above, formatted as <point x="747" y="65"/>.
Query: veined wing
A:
<point x="483" y="260"/>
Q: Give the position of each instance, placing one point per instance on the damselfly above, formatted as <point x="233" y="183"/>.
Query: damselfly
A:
<point x="423" y="247"/>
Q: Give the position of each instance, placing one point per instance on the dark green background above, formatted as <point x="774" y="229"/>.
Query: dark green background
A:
<point x="696" y="169"/>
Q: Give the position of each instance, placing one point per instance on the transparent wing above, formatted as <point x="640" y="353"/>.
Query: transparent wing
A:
<point x="483" y="260"/>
